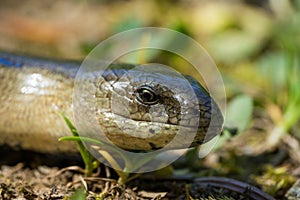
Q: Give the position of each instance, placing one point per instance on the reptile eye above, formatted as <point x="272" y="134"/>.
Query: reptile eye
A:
<point x="146" y="95"/>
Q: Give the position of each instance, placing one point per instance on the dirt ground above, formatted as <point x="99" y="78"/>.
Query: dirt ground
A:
<point x="50" y="183"/>
<point x="31" y="178"/>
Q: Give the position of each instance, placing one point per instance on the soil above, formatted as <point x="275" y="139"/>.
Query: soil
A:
<point x="50" y="183"/>
<point x="33" y="179"/>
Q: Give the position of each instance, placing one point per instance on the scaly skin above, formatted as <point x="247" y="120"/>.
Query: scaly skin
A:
<point x="34" y="92"/>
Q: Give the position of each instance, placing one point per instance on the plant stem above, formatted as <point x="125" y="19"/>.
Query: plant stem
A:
<point x="123" y="176"/>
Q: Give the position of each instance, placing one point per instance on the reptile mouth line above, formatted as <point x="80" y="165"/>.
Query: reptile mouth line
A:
<point x="157" y="122"/>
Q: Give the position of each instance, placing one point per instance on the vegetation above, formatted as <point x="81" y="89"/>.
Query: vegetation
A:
<point x="255" y="45"/>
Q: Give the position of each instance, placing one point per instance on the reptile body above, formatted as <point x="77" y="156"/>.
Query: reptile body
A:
<point x="133" y="108"/>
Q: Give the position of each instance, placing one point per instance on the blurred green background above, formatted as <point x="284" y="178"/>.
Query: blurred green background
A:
<point x="255" y="44"/>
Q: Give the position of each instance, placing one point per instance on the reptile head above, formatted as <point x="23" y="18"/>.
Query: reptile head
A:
<point x="147" y="108"/>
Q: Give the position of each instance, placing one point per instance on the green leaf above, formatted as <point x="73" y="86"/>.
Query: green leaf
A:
<point x="272" y="67"/>
<point x="85" y="154"/>
<point x="70" y="125"/>
<point x="239" y="112"/>
<point x="78" y="195"/>
<point x="232" y="46"/>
